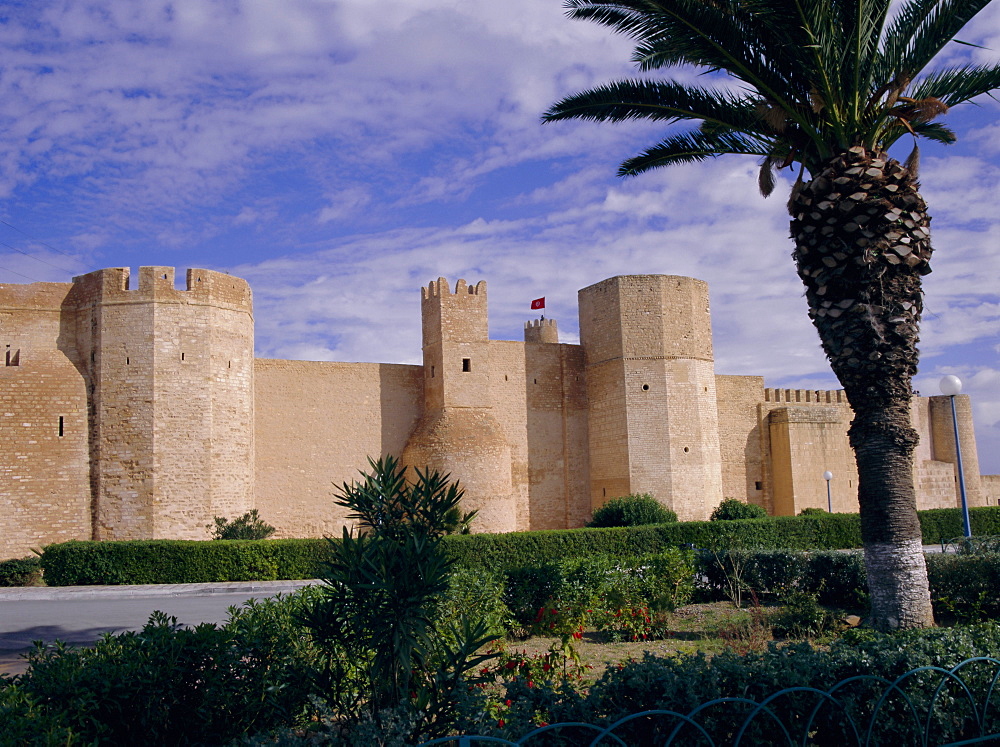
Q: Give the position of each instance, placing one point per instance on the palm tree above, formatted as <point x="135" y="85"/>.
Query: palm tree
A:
<point x="823" y="87"/>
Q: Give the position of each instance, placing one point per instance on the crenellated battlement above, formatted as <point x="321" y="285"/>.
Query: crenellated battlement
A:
<point x="541" y="330"/>
<point x="440" y="288"/>
<point x="806" y="396"/>
<point x="156" y="283"/>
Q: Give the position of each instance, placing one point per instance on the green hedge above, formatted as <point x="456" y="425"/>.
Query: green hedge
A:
<point x="181" y="561"/>
<point x="176" y="561"/>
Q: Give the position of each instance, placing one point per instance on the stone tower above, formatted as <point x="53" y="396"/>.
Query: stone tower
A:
<point x="169" y="377"/>
<point x="650" y="373"/>
<point x="458" y="433"/>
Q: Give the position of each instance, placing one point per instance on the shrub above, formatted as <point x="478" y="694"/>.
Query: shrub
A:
<point x="801" y="617"/>
<point x="249" y="526"/>
<point x="731" y="509"/>
<point x="965" y="586"/>
<point x="181" y="561"/>
<point x="632" y="510"/>
<point x="682" y="683"/>
<point x="168" y="684"/>
<point x="21" y="571"/>
<point x="375" y="621"/>
<point x="812" y="511"/>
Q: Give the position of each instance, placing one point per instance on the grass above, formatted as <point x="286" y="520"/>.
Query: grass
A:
<point x="708" y="627"/>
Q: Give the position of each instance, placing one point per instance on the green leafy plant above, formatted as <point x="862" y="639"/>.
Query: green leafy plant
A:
<point x="21" y="571"/>
<point x="636" y="509"/>
<point x="249" y="526"/>
<point x="801" y="616"/>
<point x="731" y="509"/>
<point x="383" y="588"/>
<point x="812" y="511"/>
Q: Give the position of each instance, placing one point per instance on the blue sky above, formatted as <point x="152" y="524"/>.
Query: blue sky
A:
<point x="339" y="155"/>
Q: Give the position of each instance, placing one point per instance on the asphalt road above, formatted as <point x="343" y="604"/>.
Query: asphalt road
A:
<point x="81" y="615"/>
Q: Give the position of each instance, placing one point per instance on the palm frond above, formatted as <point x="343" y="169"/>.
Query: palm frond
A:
<point x="957" y="85"/>
<point x="692" y="147"/>
<point x="935" y="131"/>
<point x="921" y="29"/>
<point x="658" y="101"/>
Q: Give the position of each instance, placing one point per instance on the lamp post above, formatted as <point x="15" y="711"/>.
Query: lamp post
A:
<point x="828" y="475"/>
<point x="950" y="386"/>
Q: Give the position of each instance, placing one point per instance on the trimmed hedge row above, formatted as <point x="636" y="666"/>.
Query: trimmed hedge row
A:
<point x="189" y="561"/>
<point x="181" y="561"/>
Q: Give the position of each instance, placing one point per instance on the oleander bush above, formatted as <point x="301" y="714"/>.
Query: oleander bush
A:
<point x="634" y="510"/>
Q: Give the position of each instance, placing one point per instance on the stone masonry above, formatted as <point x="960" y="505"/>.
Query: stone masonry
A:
<point x="138" y="411"/>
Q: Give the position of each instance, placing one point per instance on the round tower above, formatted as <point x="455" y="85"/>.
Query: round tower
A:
<point x="541" y="330"/>
<point x="170" y="388"/>
<point x="653" y="421"/>
<point x="458" y="433"/>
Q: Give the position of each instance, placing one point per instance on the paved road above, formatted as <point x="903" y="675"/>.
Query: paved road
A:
<point x="82" y="614"/>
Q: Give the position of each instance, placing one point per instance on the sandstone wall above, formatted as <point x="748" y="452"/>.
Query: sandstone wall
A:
<point x="316" y="424"/>
<point x="44" y="478"/>
<point x="739" y="437"/>
<point x="651" y="389"/>
<point x="170" y="376"/>
<point x="539" y="400"/>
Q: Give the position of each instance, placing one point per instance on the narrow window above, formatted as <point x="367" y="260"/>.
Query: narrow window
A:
<point x="13" y="357"/>
<point x="127" y="360"/>
<point x="93" y="356"/>
<point x="758" y="485"/>
<point x="61" y="426"/>
<point x="466" y="364"/>
<point x="182" y="356"/>
<point x="432" y="372"/>
<point x="230" y="362"/>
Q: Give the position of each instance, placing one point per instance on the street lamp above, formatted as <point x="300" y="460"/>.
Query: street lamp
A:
<point x="950" y="386"/>
<point x="828" y="475"/>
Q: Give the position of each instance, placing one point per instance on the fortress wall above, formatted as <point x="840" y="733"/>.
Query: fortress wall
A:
<point x="316" y="425"/>
<point x="508" y="394"/>
<point x="739" y="436"/>
<point x="942" y="432"/>
<point x="991" y="490"/>
<point x="164" y="399"/>
<point x="539" y="399"/>
<point x="607" y="432"/>
<point x="651" y="388"/>
<point x="44" y="480"/>
<point x="805" y="442"/>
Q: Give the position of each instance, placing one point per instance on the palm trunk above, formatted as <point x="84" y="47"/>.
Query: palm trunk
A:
<point x="862" y="245"/>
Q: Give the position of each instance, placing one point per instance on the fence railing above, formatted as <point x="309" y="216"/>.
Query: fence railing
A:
<point x="980" y="545"/>
<point x="929" y="706"/>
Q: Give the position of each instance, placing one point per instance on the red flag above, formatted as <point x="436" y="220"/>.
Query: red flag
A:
<point x="538" y="303"/>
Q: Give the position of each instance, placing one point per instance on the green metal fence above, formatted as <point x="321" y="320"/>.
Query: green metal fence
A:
<point x="929" y="706"/>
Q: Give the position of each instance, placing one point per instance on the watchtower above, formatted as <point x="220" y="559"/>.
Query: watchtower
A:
<point x="458" y="433"/>
<point x="170" y="397"/>
<point x="650" y="373"/>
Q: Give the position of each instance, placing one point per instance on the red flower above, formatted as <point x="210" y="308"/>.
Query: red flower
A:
<point x="507" y="703"/>
<point x="500" y="723"/>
